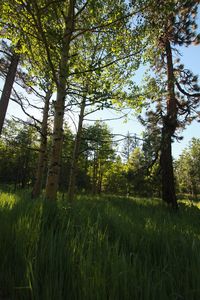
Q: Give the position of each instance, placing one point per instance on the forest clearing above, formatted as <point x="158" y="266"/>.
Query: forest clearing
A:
<point x="88" y="211"/>
<point x="100" y="248"/>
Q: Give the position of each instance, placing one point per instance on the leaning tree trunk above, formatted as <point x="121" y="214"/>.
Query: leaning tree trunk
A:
<point x="42" y="160"/>
<point x="73" y="171"/>
<point x="5" y="97"/>
<point x="169" y="127"/>
<point x="55" y="159"/>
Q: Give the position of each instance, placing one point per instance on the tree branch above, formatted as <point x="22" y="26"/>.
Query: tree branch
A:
<point x="186" y="93"/>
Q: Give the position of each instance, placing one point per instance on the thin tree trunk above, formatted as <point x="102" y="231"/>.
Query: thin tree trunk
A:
<point x="94" y="179"/>
<point x="5" y="97"/>
<point x="42" y="160"/>
<point x="100" y="178"/>
<point x="169" y="127"/>
<point x="194" y="190"/>
<point x="73" y="171"/>
<point x="55" y="159"/>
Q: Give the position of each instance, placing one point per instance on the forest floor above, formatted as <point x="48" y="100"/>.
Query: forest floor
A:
<point x="99" y="248"/>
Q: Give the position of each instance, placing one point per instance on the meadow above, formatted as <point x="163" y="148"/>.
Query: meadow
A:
<point x="106" y="247"/>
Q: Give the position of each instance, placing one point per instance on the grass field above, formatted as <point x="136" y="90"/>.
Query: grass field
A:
<point x="100" y="248"/>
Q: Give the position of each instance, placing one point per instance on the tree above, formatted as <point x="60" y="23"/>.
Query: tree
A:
<point x="99" y="146"/>
<point x="8" y="85"/>
<point x="50" y="26"/>
<point x="130" y="143"/>
<point x="42" y="159"/>
<point x="187" y="169"/>
<point x="67" y="153"/>
<point x="115" y="177"/>
<point x="18" y="154"/>
<point x="50" y="31"/>
<point x="55" y="159"/>
<point x="96" y="89"/>
<point x="170" y="24"/>
<point x="135" y="172"/>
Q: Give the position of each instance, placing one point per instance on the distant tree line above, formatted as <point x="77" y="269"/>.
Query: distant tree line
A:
<point x="101" y="167"/>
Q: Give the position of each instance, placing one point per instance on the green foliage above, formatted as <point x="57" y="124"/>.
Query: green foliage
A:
<point x="114" y="180"/>
<point x="136" y="174"/>
<point x="101" y="248"/>
<point x="17" y="155"/>
<point x="100" y="152"/>
<point x="68" y="143"/>
<point x="187" y="169"/>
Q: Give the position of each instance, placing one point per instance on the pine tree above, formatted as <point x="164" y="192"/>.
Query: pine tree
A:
<point x="170" y="24"/>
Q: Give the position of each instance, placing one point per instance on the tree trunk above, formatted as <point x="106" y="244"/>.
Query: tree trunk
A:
<point x="169" y="127"/>
<point x="42" y="160"/>
<point x="55" y="159"/>
<point x="5" y="97"/>
<point x="73" y="171"/>
<point x="166" y="162"/>
<point x="100" y="178"/>
<point x="94" y="176"/>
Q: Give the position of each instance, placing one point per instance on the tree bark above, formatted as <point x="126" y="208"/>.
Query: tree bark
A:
<point x="169" y="127"/>
<point x="55" y="158"/>
<point x="42" y="160"/>
<point x="5" y="97"/>
<point x="73" y="171"/>
<point x="166" y="162"/>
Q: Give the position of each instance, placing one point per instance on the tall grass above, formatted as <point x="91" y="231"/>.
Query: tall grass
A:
<point x="100" y="248"/>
